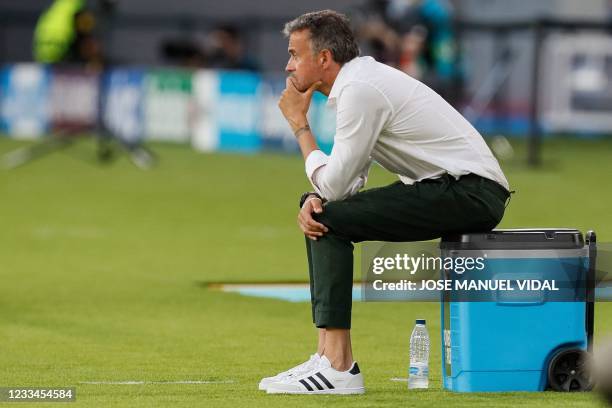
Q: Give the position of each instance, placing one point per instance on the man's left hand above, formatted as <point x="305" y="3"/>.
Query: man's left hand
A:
<point x="311" y="228"/>
<point x="294" y="104"/>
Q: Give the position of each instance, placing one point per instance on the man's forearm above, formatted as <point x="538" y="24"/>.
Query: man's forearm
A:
<point x="307" y="142"/>
<point x="303" y="135"/>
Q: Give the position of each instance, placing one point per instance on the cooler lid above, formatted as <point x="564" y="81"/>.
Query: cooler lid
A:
<point x="528" y="238"/>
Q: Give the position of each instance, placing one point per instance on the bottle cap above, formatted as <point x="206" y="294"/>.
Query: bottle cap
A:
<point x="420" y="321"/>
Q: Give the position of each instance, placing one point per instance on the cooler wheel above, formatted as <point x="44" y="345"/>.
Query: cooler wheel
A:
<point x="570" y="371"/>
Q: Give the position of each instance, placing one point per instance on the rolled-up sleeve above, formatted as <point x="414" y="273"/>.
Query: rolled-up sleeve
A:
<point x="362" y="111"/>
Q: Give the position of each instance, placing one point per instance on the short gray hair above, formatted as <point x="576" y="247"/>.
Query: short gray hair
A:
<point x="328" y="30"/>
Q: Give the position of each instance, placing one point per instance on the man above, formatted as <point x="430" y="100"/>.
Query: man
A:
<point x="449" y="180"/>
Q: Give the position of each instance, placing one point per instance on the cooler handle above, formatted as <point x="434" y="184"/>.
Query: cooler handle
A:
<point x="591" y="241"/>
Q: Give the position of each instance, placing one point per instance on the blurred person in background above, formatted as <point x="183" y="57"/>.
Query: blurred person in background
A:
<point x="66" y="32"/>
<point x="71" y="32"/>
<point x="185" y="52"/>
<point x="415" y="36"/>
<point x="376" y="36"/>
<point x="450" y="182"/>
<point x="227" y="50"/>
<point x="222" y="48"/>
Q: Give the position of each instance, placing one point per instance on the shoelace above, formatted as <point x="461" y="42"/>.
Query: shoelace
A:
<point x="316" y="365"/>
<point x="303" y="368"/>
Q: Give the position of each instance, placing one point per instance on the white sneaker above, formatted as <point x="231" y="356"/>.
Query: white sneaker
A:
<point x="321" y="380"/>
<point x="298" y="370"/>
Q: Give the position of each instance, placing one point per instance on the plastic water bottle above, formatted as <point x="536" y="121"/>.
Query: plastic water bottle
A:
<point x="418" y="375"/>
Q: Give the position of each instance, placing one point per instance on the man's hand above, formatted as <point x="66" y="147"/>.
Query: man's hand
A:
<point x="294" y="104"/>
<point x="309" y="226"/>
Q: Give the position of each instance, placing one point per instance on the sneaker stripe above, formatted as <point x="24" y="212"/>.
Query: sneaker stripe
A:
<point x="316" y="384"/>
<point x="305" y="384"/>
<point x="322" y="377"/>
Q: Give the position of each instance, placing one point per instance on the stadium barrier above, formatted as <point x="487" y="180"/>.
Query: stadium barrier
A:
<point x="229" y="111"/>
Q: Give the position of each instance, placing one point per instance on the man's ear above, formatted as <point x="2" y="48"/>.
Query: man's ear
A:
<point x="325" y="58"/>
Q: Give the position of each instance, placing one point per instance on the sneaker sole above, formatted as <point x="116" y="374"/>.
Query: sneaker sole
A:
<point x="343" y="391"/>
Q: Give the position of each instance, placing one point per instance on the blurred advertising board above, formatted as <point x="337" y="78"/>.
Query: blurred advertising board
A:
<point x="232" y="111"/>
<point x="24" y="102"/>
<point x="227" y="111"/>
<point x="167" y="105"/>
<point x="205" y="91"/>
<point x="74" y="99"/>
<point x="122" y="102"/>
<point x="576" y="86"/>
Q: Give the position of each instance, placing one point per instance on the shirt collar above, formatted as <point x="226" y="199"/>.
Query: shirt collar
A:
<point x="341" y="79"/>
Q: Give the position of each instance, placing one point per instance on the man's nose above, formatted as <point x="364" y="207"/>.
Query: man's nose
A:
<point x="289" y="68"/>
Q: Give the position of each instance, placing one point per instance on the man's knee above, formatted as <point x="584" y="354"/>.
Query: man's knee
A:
<point x="333" y="216"/>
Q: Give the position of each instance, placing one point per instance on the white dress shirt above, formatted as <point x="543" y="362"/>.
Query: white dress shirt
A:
<point x="386" y="116"/>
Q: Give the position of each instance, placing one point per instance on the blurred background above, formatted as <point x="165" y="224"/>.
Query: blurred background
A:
<point x="110" y="274"/>
<point x="209" y="73"/>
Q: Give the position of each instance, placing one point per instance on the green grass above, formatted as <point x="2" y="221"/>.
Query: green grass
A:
<point x="102" y="269"/>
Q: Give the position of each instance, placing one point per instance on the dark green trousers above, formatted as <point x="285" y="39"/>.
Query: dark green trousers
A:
<point x="422" y="211"/>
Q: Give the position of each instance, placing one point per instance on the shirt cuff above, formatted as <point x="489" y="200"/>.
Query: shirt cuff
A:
<point x="315" y="160"/>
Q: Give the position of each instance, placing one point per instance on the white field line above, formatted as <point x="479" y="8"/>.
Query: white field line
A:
<point x="399" y="379"/>
<point x="154" y="382"/>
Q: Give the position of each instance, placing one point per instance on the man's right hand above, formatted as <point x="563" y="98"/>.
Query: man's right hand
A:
<point x="308" y="225"/>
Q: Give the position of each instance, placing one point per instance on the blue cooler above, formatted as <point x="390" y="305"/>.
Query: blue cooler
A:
<point x="501" y="340"/>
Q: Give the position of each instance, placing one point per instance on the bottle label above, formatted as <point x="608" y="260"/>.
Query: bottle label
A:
<point x="419" y="371"/>
<point x="447" y="346"/>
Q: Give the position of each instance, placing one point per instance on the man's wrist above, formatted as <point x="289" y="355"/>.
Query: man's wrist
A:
<point x="298" y="124"/>
<point x="307" y="196"/>
<point x="297" y="133"/>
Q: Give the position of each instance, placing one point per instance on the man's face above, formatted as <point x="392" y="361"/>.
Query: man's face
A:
<point x="302" y="65"/>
